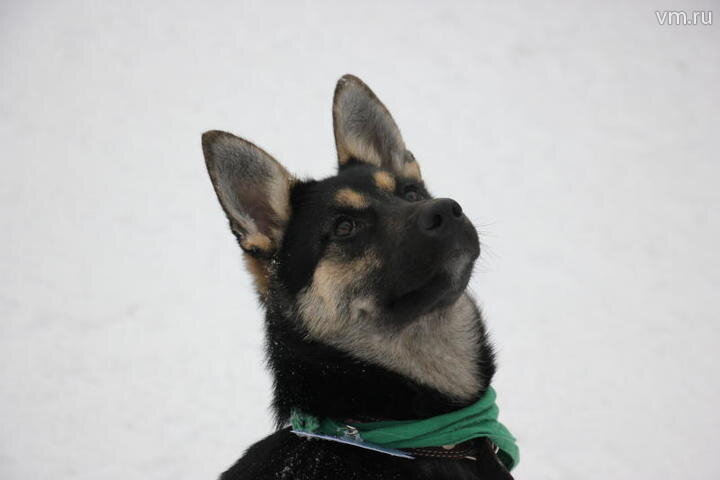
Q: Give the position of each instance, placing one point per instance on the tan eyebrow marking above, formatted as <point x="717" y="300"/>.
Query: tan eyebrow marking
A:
<point x="384" y="181"/>
<point x="350" y="198"/>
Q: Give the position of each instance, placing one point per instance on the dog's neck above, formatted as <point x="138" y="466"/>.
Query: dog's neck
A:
<point x="438" y="363"/>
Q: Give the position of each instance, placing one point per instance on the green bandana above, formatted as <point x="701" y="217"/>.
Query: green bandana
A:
<point x="474" y="421"/>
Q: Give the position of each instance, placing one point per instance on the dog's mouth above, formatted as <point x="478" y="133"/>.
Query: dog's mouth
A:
<point x="440" y="289"/>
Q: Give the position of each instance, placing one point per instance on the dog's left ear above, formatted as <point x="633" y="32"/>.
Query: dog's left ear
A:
<point x="365" y="132"/>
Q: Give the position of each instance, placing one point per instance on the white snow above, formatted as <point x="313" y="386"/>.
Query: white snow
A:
<point x="582" y="139"/>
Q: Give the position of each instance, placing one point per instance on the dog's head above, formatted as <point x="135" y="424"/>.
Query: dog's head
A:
<point x="368" y="244"/>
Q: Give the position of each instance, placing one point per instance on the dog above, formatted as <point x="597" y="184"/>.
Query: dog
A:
<point x="363" y="276"/>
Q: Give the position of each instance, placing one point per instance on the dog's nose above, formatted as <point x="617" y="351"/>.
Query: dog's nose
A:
<point x="439" y="216"/>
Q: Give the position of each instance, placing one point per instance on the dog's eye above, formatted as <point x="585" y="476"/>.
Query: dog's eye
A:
<point x="344" y="227"/>
<point x="411" y="194"/>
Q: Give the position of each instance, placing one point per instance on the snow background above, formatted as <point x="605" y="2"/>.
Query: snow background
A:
<point x="583" y="140"/>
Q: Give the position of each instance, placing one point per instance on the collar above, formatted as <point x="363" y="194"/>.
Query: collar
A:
<point x="410" y="438"/>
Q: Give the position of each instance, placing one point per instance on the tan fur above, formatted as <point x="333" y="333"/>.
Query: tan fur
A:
<point x="411" y="170"/>
<point x="259" y="270"/>
<point x="438" y="349"/>
<point x="354" y="147"/>
<point x="279" y="194"/>
<point x="384" y="181"/>
<point x="350" y="198"/>
<point x="257" y="241"/>
<point x="333" y="282"/>
<point x="257" y="267"/>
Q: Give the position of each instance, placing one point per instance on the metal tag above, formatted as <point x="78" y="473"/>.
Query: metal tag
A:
<point x="356" y="442"/>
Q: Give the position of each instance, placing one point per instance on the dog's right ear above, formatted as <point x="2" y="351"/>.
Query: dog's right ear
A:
<point x="253" y="189"/>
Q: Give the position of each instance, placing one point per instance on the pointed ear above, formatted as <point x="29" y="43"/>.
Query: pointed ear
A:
<point x="365" y="131"/>
<point x="253" y="189"/>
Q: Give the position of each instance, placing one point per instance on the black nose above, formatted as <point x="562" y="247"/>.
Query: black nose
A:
<point x="438" y="216"/>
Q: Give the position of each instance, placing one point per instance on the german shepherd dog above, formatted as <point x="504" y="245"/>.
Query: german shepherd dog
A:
<point x="363" y="276"/>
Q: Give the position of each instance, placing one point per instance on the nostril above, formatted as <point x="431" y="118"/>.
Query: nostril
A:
<point x="434" y="222"/>
<point x="456" y="210"/>
<point x="431" y="221"/>
<point x="437" y="216"/>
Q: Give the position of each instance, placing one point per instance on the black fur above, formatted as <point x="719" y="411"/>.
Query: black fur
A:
<point x="283" y="455"/>
<point x="422" y="252"/>
<point x="324" y="381"/>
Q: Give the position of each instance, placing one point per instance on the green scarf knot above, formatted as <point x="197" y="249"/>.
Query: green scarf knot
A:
<point x="474" y="421"/>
